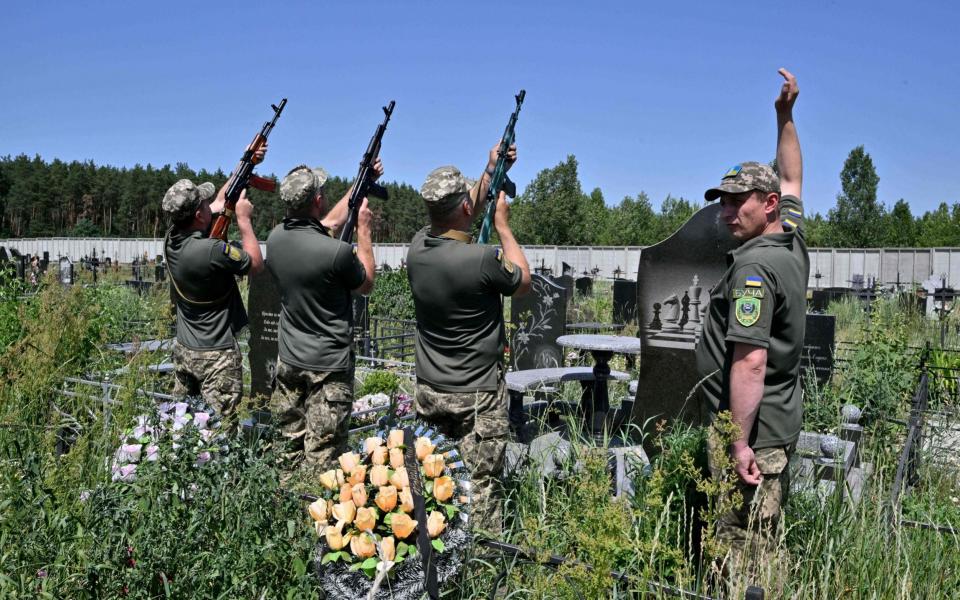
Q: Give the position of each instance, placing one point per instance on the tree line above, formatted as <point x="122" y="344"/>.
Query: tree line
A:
<point x="82" y="199"/>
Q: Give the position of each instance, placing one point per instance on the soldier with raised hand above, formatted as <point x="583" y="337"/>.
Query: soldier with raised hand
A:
<point x="458" y="290"/>
<point x="210" y="312"/>
<point x="316" y="273"/>
<point x="752" y="341"/>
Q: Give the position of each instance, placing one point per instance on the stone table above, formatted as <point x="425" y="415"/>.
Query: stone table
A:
<point x="602" y="348"/>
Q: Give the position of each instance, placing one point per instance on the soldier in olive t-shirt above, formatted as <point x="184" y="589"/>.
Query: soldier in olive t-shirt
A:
<point x="458" y="290"/>
<point x="210" y="312"/>
<point x="316" y="273"/>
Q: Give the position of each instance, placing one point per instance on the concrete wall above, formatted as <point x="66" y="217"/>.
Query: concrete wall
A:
<point x="836" y="266"/>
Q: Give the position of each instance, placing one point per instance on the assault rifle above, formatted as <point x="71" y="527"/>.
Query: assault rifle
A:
<point x="499" y="181"/>
<point x="243" y="176"/>
<point x="365" y="183"/>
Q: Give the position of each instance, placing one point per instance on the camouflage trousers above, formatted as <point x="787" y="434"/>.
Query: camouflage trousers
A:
<point x="311" y="410"/>
<point x="749" y="533"/>
<point x="214" y="375"/>
<point x="479" y="423"/>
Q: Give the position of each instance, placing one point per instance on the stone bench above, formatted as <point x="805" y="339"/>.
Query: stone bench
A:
<point x="543" y="381"/>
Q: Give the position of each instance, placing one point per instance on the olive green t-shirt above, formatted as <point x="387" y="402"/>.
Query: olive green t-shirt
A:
<point x="315" y="274"/>
<point x="761" y="301"/>
<point x="457" y="291"/>
<point x="203" y="271"/>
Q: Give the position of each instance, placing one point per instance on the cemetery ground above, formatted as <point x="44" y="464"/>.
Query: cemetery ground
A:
<point x="226" y="529"/>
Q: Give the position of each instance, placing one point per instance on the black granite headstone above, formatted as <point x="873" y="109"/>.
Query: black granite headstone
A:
<point x="361" y="323"/>
<point x="566" y="282"/>
<point x="819" y="300"/>
<point x="45" y="262"/>
<point x="624" y="301"/>
<point x="3" y="254"/>
<point x="538" y="319"/>
<point x="160" y="272"/>
<point x="818" y="345"/>
<point x="263" y="307"/>
<point x="673" y="289"/>
<point x="21" y="265"/>
<point x="584" y="286"/>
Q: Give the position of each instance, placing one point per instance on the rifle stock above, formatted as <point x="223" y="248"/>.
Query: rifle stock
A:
<point x="499" y="180"/>
<point x="243" y="176"/>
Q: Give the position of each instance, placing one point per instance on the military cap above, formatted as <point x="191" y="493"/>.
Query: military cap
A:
<point x="301" y="185"/>
<point x="184" y="198"/>
<point x="444" y="182"/>
<point x="745" y="177"/>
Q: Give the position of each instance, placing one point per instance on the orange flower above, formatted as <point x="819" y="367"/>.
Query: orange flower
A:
<point x="346" y="492"/>
<point x="424" y="447"/>
<point x="388" y="550"/>
<point x="395" y="438"/>
<point x="321" y="528"/>
<point x="329" y="480"/>
<point x="436" y="523"/>
<point x="442" y="488"/>
<point x="358" y="475"/>
<point x="335" y="538"/>
<point x="344" y="512"/>
<point x="379" y="456"/>
<point x="349" y="460"/>
<point x="400" y="478"/>
<point x="402" y="525"/>
<point x="363" y="546"/>
<point x="433" y="465"/>
<point x="396" y="458"/>
<point x="406" y="500"/>
<point x="387" y="498"/>
<point x="318" y="510"/>
<point x="371" y="443"/>
<point x="379" y="475"/>
<point x="359" y="494"/>
<point x="366" y="519"/>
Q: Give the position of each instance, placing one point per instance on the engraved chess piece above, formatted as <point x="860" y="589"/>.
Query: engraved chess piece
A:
<point x="671" y="313"/>
<point x="694" y="323"/>
<point x="655" y="323"/>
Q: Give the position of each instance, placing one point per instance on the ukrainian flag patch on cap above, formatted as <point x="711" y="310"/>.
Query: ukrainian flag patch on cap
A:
<point x="733" y="171"/>
<point x="754" y="282"/>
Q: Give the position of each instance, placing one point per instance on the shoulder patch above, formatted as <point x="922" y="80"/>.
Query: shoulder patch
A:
<point x="747" y="293"/>
<point x="747" y="310"/>
<point x="507" y="264"/>
<point x="231" y="252"/>
<point x="754" y="282"/>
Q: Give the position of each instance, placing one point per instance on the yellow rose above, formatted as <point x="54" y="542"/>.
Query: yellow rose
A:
<point x="363" y="546"/>
<point x="344" y="512"/>
<point x="346" y="492"/>
<point x="359" y="494"/>
<point x="341" y="479"/>
<point x="399" y="479"/>
<point x="371" y="443"/>
<point x="387" y="498"/>
<point x="329" y="480"/>
<point x="433" y="465"/>
<point x="379" y="456"/>
<point x="379" y="475"/>
<point x="335" y="539"/>
<point x="318" y="510"/>
<point x="424" y="447"/>
<point x="366" y="519"/>
<point x="442" y="488"/>
<point x="348" y="461"/>
<point x="406" y="500"/>
<point x="402" y="525"/>
<point x="395" y="438"/>
<point x="436" y="523"/>
<point x="321" y="528"/>
<point x="358" y="475"/>
<point x="396" y="458"/>
<point x="388" y="550"/>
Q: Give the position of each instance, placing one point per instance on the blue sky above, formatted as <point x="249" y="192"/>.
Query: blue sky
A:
<point x="654" y="97"/>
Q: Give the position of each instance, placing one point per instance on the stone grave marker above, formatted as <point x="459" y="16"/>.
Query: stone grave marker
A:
<point x="263" y="308"/>
<point x="674" y="280"/>
<point x="584" y="286"/>
<point x="538" y="319"/>
<point x="818" y="346"/>
<point x="3" y="254"/>
<point x="361" y="322"/>
<point x="566" y="282"/>
<point x="45" y="261"/>
<point x="66" y="271"/>
<point x="624" y="301"/>
<point x="819" y="299"/>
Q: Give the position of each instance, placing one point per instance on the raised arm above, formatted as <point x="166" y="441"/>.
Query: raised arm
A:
<point x="337" y="215"/>
<point x="789" y="160"/>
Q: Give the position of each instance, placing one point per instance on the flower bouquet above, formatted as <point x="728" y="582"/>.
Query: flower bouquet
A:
<point x="365" y="517"/>
<point x="142" y="442"/>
